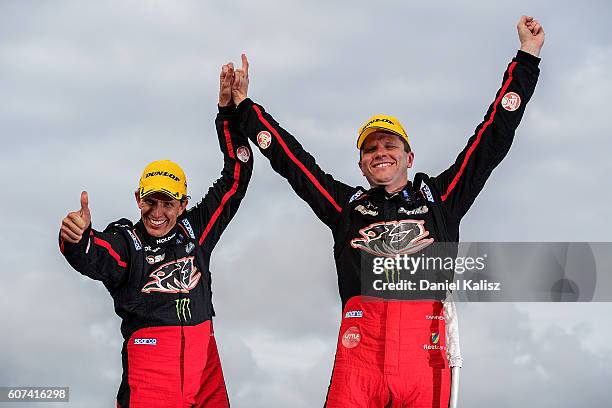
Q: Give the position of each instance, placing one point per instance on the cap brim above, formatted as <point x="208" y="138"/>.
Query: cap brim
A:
<point x="172" y="195"/>
<point x="373" y="129"/>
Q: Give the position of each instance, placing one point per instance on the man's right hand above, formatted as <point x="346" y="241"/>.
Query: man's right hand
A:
<point x="76" y="222"/>
<point x="240" y="87"/>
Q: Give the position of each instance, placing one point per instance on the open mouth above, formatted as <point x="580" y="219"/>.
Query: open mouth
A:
<point x="157" y="223"/>
<point x="382" y="165"/>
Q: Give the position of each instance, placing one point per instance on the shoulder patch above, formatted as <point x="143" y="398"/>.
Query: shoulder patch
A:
<point x="137" y="243"/>
<point x="188" y="228"/>
<point x="425" y="189"/>
<point x="356" y="196"/>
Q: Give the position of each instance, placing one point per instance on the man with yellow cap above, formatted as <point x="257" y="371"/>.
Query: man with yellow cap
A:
<point x="157" y="272"/>
<point x="392" y="353"/>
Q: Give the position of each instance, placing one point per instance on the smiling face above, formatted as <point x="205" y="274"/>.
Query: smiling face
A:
<point x="159" y="212"/>
<point x="385" y="162"/>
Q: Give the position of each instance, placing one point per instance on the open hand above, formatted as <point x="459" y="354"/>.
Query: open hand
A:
<point x="241" y="82"/>
<point x="226" y="80"/>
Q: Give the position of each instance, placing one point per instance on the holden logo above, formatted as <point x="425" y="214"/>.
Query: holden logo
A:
<point x="264" y="139"/>
<point x="243" y="154"/>
<point x="174" y="277"/>
<point x="511" y="101"/>
<point x="393" y="238"/>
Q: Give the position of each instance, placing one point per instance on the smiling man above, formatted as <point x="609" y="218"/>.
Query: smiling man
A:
<point x="390" y="352"/>
<point x="157" y="272"/>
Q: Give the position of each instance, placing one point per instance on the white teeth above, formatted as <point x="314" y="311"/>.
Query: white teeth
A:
<point x="382" y="165"/>
<point x="156" y="222"/>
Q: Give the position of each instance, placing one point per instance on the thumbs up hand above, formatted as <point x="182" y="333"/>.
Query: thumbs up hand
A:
<point x="76" y="222"/>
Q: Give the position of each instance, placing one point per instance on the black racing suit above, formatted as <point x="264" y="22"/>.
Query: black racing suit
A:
<point x="161" y="288"/>
<point x="372" y="222"/>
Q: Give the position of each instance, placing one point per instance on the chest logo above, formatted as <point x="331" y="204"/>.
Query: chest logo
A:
<point x="178" y="276"/>
<point x="419" y="210"/>
<point x="367" y="209"/>
<point x="393" y="237"/>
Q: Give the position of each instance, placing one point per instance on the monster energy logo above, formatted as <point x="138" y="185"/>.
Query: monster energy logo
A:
<point x="391" y="274"/>
<point x="182" y="308"/>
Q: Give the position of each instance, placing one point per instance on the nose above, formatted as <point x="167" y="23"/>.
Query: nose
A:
<point x="157" y="210"/>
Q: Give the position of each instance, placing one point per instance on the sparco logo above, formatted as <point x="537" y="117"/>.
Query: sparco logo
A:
<point x="393" y="238"/>
<point x="188" y="228"/>
<point x="148" y="342"/>
<point x="174" y="277"/>
<point x="137" y="244"/>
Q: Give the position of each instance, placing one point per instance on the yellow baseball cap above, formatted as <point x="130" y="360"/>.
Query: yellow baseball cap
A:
<point x="163" y="176"/>
<point x="383" y="123"/>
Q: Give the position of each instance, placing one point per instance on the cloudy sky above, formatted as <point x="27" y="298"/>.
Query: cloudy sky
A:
<point x="92" y="91"/>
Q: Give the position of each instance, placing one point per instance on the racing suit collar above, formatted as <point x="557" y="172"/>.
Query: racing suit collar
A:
<point x="166" y="240"/>
<point x="405" y="193"/>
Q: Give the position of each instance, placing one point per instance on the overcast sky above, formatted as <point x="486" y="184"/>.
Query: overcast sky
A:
<point x="92" y="91"/>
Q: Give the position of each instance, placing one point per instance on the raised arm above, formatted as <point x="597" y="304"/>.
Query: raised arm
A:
<point x="100" y="255"/>
<point x="325" y="195"/>
<point x="464" y="179"/>
<point x="211" y="216"/>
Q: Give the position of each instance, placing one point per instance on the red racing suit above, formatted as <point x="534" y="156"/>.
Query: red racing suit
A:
<point x="161" y="288"/>
<point x="390" y="352"/>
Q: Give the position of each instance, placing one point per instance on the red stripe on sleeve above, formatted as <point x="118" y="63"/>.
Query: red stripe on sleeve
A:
<point x="300" y="165"/>
<point x="453" y="184"/>
<point x="228" y="139"/>
<point x="231" y="191"/>
<point x="111" y="251"/>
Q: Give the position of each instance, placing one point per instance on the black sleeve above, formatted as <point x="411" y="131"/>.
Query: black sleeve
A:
<point x="463" y="180"/>
<point x="288" y="158"/>
<point x="211" y="216"/>
<point x="102" y="256"/>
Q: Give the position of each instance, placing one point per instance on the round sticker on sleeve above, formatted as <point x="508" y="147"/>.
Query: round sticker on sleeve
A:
<point x="351" y="337"/>
<point x="243" y="154"/>
<point x="264" y="139"/>
<point x="511" y="101"/>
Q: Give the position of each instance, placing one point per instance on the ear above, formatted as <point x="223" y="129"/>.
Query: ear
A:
<point x="183" y="206"/>
<point x="409" y="160"/>
<point x="360" y="167"/>
<point x="138" y="200"/>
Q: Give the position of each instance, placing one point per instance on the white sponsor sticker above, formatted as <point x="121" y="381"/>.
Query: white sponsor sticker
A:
<point x="243" y="154"/>
<point x="264" y="139"/>
<point x="511" y="101"/>
<point x="353" y="314"/>
<point x="137" y="244"/>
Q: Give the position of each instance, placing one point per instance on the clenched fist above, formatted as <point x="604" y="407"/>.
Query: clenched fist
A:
<point x="76" y="222"/>
<point x="531" y="35"/>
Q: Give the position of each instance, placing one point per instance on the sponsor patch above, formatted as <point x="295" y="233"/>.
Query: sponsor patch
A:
<point x="366" y="210"/>
<point x="425" y="189"/>
<point x="137" y="244"/>
<point x="356" y="196"/>
<point x="420" y="210"/>
<point x="189" y="247"/>
<point x="353" y="314"/>
<point x="264" y="139"/>
<point x="153" y="259"/>
<point x="147" y="342"/>
<point x="149" y="249"/>
<point x="351" y="337"/>
<point x="434" y="317"/>
<point x="243" y="154"/>
<point x="511" y="101"/>
<point x="165" y="239"/>
<point x="188" y="228"/>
